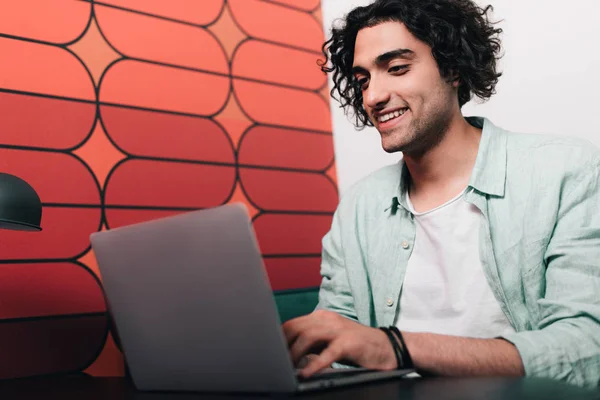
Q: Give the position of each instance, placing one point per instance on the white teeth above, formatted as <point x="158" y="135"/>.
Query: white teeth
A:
<point x="394" y="114"/>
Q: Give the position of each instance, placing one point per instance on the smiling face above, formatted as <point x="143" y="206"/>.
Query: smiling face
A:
<point x="404" y="95"/>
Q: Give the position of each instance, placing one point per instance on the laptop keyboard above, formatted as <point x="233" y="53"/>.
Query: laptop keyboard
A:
<point x="334" y="374"/>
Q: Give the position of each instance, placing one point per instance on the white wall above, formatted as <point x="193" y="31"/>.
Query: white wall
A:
<point x="551" y="80"/>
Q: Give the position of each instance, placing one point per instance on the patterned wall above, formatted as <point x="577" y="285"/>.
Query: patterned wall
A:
<point x="119" y="111"/>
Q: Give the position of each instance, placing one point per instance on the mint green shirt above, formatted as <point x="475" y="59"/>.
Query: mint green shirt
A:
<point x="539" y="247"/>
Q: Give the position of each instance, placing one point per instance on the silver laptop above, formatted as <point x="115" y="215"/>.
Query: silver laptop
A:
<point x="193" y="308"/>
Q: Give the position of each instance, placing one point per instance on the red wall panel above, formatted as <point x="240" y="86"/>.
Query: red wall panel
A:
<point x="122" y="112"/>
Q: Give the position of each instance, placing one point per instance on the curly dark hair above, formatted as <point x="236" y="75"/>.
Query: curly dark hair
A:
<point x="463" y="41"/>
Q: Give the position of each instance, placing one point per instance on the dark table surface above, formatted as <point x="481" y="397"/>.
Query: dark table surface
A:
<point x="89" y="388"/>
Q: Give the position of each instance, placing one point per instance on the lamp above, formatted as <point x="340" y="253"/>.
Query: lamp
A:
<point x="20" y="205"/>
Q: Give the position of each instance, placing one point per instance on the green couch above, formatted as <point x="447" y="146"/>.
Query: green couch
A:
<point x="295" y="303"/>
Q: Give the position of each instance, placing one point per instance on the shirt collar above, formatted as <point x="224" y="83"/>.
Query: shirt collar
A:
<point x="489" y="172"/>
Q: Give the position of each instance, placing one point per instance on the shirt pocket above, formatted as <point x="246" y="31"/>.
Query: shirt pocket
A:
<point x="521" y="269"/>
<point x="533" y="273"/>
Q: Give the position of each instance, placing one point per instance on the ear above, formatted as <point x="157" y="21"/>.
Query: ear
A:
<point x="454" y="79"/>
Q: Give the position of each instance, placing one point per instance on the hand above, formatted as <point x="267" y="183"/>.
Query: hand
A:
<point x="336" y="338"/>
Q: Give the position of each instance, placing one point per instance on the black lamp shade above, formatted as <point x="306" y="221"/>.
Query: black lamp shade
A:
<point x="20" y="205"/>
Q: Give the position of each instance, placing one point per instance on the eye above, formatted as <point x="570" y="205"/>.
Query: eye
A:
<point x="361" y="81"/>
<point x="397" y="68"/>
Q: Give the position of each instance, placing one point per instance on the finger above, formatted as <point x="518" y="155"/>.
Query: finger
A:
<point x="327" y="357"/>
<point x="310" y="341"/>
<point x="304" y="360"/>
<point x="293" y="328"/>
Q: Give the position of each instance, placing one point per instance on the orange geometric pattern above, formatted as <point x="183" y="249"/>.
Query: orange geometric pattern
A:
<point x="118" y="112"/>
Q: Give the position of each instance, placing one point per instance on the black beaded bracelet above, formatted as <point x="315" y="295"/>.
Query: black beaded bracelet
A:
<point x="406" y="359"/>
<point x="395" y="346"/>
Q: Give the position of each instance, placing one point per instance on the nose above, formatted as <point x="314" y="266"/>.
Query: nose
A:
<point x="376" y="95"/>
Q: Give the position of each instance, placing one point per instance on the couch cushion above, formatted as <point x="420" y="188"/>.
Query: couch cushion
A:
<point x="295" y="303"/>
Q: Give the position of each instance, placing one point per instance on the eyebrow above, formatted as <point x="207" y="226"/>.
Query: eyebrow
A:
<point x="406" y="54"/>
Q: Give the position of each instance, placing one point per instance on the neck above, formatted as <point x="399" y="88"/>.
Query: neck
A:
<point x="444" y="170"/>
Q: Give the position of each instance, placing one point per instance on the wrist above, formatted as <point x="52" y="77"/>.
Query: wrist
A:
<point x="390" y="357"/>
<point x="405" y="356"/>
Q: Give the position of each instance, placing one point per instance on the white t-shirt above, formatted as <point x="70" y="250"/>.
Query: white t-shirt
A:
<point x="445" y="290"/>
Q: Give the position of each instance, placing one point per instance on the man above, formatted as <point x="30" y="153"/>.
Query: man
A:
<point x="481" y="246"/>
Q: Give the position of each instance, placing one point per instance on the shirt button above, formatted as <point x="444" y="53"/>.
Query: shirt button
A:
<point x="405" y="245"/>
<point x="389" y="302"/>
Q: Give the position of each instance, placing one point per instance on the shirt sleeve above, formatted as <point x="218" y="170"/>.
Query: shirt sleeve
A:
<point x="335" y="293"/>
<point x="566" y="343"/>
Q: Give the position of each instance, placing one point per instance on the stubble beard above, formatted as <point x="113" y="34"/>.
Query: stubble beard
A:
<point x="421" y="135"/>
